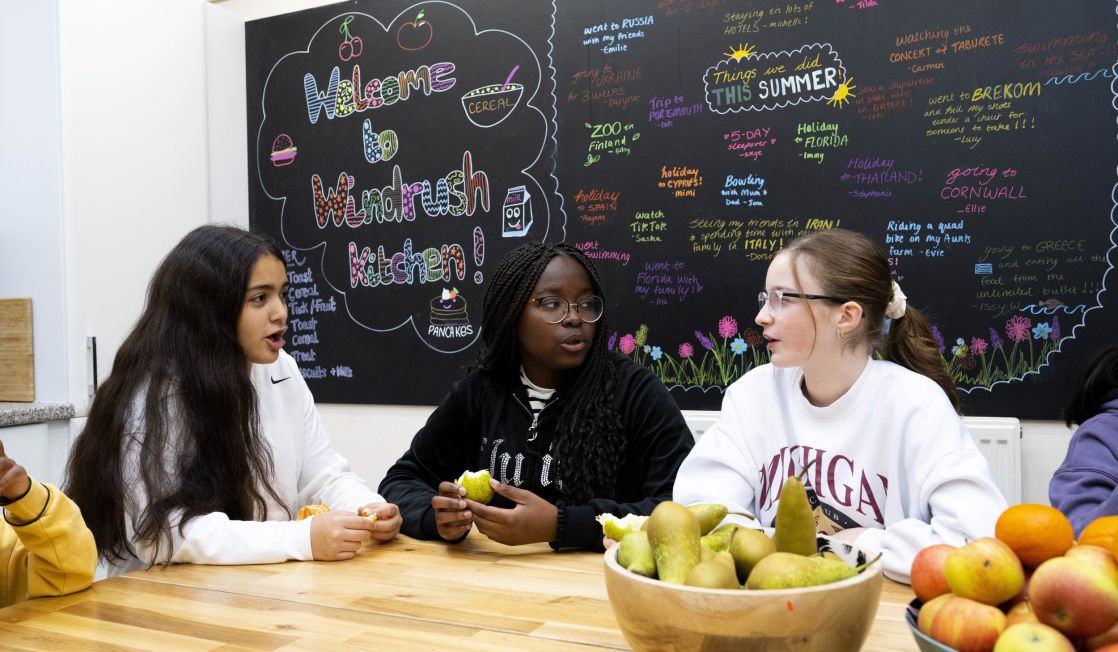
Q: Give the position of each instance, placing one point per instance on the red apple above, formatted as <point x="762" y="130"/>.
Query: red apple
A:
<point x="927" y="576"/>
<point x="1074" y="597"/>
<point x="1032" y="637"/>
<point x="1098" y="557"/>
<point x="1109" y="637"/>
<point x="985" y="570"/>
<point x="1022" y="612"/>
<point x="929" y="610"/>
<point x="967" y="625"/>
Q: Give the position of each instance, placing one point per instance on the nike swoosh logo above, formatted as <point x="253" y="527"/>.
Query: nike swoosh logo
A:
<point x="274" y="381"/>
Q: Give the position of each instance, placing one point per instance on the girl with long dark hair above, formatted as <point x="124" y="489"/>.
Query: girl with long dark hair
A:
<point x="567" y="430"/>
<point x="890" y="463"/>
<point x="1085" y="487"/>
<point x="204" y="440"/>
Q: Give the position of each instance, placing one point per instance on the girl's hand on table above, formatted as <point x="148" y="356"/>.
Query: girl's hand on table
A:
<point x="339" y="535"/>
<point x="452" y="518"/>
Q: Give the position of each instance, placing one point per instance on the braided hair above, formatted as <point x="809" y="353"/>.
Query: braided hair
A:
<point x="590" y="438"/>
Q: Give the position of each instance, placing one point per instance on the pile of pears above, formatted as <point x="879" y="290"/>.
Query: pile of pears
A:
<point x="681" y="545"/>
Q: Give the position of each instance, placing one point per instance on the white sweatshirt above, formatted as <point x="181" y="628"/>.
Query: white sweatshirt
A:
<point x="890" y="455"/>
<point x="307" y="471"/>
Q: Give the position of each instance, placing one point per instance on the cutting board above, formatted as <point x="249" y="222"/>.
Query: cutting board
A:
<point x="17" y="357"/>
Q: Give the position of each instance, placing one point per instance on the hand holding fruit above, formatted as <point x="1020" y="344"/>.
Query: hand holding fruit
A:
<point x="531" y="520"/>
<point x="452" y="518"/>
<point x="339" y="535"/>
<point x="386" y="520"/>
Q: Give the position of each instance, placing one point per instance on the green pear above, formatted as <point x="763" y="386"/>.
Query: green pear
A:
<point x="726" y="560"/>
<point x="616" y="528"/>
<point x="795" y="524"/>
<point x="712" y="574"/>
<point x="709" y="515"/>
<point x="747" y="547"/>
<point x="634" y="554"/>
<point x="719" y="539"/>
<point x="476" y="484"/>
<point x="673" y="532"/>
<point x="786" y="570"/>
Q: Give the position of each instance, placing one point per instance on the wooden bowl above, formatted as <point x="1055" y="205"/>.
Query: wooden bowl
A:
<point x="655" y="615"/>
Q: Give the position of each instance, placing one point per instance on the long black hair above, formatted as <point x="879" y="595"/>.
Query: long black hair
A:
<point x="590" y="439"/>
<point x="1100" y="378"/>
<point x="196" y="434"/>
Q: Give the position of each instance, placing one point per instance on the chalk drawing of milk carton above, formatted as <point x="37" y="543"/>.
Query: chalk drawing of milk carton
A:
<point x="518" y="213"/>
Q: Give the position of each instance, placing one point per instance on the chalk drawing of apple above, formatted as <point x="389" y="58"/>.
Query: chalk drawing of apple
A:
<point x="415" y="34"/>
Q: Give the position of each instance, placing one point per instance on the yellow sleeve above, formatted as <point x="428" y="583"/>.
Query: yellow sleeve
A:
<point x="49" y="549"/>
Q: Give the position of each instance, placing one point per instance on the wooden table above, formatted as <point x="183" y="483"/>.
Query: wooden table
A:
<point x="407" y="594"/>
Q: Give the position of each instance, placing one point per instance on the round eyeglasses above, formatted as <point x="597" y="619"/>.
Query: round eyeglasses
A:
<point x="774" y="299"/>
<point x="556" y="310"/>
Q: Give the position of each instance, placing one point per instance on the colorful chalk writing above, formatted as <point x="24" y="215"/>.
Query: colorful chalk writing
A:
<point x="817" y="138"/>
<point x="680" y="180"/>
<point x="663" y="110"/>
<point x="594" y="205"/>
<point x="746" y="190"/>
<point x="771" y="80"/>
<point x="749" y="143"/>
<point x="612" y="37"/>
<point x="874" y="177"/>
<point x="610" y="138"/>
<point x="648" y="226"/>
<point x="604" y="85"/>
<point x="663" y="282"/>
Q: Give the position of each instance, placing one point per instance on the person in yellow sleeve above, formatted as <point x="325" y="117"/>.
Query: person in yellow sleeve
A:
<point x="45" y="547"/>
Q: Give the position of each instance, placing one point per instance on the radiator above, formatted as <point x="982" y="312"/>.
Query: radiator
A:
<point x="999" y="439"/>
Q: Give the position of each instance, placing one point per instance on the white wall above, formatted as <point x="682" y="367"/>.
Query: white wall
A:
<point x="31" y="245"/>
<point x="134" y="158"/>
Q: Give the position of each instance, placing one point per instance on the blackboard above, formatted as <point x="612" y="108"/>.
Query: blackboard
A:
<point x="397" y="150"/>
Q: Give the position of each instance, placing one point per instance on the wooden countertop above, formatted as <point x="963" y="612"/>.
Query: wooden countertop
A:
<point x="407" y="594"/>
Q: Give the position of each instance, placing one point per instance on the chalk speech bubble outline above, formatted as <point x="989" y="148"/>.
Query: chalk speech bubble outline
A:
<point x="559" y="213"/>
<point x="822" y="47"/>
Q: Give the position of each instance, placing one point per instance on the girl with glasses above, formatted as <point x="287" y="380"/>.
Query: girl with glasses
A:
<point x="857" y="392"/>
<point x="567" y="429"/>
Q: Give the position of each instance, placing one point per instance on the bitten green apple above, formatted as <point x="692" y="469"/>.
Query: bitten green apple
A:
<point x="1073" y="596"/>
<point x="476" y="484"/>
<point x="985" y="570"/>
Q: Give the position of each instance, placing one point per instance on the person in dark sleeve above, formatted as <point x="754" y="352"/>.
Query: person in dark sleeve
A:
<point x="567" y="429"/>
<point x="1085" y="487"/>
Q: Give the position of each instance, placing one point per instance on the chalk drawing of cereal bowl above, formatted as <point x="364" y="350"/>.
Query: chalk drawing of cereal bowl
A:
<point x="488" y="106"/>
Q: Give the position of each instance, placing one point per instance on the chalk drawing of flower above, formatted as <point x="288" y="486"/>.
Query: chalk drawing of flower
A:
<point x="727" y="326"/>
<point x="737" y="346"/>
<point x="628" y="343"/>
<point x="753" y="337"/>
<point x="1041" y="331"/>
<point x="939" y="339"/>
<point x="977" y="345"/>
<point x="995" y="339"/>
<point x="656" y="353"/>
<point x="686" y="350"/>
<point x="704" y="341"/>
<point x="1017" y="328"/>
<point x="1055" y="328"/>
<point x="642" y="335"/>
<point x="612" y="341"/>
<point x="960" y="348"/>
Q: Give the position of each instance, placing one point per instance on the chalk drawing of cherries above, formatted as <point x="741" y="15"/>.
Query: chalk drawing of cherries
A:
<point x="411" y="35"/>
<point x="352" y="46"/>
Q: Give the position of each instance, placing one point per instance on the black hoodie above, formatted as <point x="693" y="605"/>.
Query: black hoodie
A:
<point x="485" y="423"/>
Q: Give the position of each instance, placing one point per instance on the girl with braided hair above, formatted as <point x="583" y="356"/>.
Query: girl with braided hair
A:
<point x="567" y="429"/>
<point x="889" y="463"/>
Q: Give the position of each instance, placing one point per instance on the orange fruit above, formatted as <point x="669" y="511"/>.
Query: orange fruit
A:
<point x="1035" y="533"/>
<point x="1102" y="532"/>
